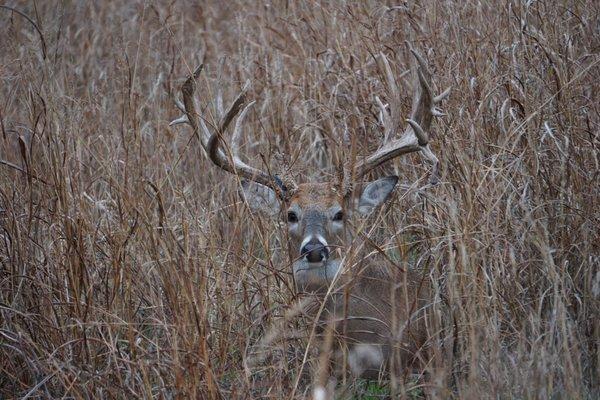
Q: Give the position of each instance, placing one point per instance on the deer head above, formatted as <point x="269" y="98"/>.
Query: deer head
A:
<point x="316" y="213"/>
<point x="316" y="216"/>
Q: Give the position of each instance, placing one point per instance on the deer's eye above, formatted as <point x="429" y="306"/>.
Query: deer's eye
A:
<point x="339" y="216"/>
<point x="292" y="217"/>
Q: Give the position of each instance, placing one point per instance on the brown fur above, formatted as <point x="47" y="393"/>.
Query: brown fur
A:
<point x="319" y="195"/>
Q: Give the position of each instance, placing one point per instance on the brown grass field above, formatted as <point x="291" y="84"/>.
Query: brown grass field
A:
<point x="131" y="268"/>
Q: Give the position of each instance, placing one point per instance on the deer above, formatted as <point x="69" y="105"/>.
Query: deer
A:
<point x="377" y="311"/>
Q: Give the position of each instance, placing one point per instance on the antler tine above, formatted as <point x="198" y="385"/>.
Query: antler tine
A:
<point x="342" y="160"/>
<point x="415" y="137"/>
<point x="228" y="158"/>
<point x="423" y="141"/>
<point x="390" y="122"/>
<point x="390" y="76"/>
<point x="237" y="131"/>
<point x="179" y="105"/>
<point x="384" y="119"/>
<point x="234" y="109"/>
<point x="215" y="153"/>
<point x="183" y="119"/>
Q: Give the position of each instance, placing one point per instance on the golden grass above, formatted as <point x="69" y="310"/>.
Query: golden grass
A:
<point x="130" y="268"/>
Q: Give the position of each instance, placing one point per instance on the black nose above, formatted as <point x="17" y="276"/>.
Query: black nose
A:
<point x="315" y="251"/>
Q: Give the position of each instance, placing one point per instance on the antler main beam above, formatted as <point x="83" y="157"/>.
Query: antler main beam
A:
<point x="415" y="137"/>
<point x="226" y="158"/>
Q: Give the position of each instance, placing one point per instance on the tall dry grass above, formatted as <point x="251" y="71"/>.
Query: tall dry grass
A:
<point x="130" y="268"/>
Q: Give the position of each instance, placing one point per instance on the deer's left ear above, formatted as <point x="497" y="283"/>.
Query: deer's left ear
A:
<point x="260" y="197"/>
<point x="376" y="193"/>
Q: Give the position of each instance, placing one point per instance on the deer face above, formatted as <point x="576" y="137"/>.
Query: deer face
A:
<point x="316" y="217"/>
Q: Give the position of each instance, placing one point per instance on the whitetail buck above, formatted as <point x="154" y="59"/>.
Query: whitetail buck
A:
<point x="378" y="308"/>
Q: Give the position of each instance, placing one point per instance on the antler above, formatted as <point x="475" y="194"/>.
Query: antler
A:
<point x="415" y="137"/>
<point x="228" y="158"/>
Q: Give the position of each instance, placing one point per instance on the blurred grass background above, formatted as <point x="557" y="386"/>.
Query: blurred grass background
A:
<point x="130" y="268"/>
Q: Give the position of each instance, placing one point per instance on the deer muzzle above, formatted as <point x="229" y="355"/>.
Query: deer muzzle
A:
<point x="315" y="251"/>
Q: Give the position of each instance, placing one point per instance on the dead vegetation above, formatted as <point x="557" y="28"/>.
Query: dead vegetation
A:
<point x="129" y="267"/>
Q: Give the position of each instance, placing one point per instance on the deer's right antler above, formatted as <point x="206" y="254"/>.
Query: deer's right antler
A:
<point x="415" y="137"/>
<point x="228" y="158"/>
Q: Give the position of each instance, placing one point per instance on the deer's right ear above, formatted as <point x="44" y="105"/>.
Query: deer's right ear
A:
<point x="260" y="197"/>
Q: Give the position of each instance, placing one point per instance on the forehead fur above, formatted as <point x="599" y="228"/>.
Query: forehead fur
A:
<point x="316" y="195"/>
